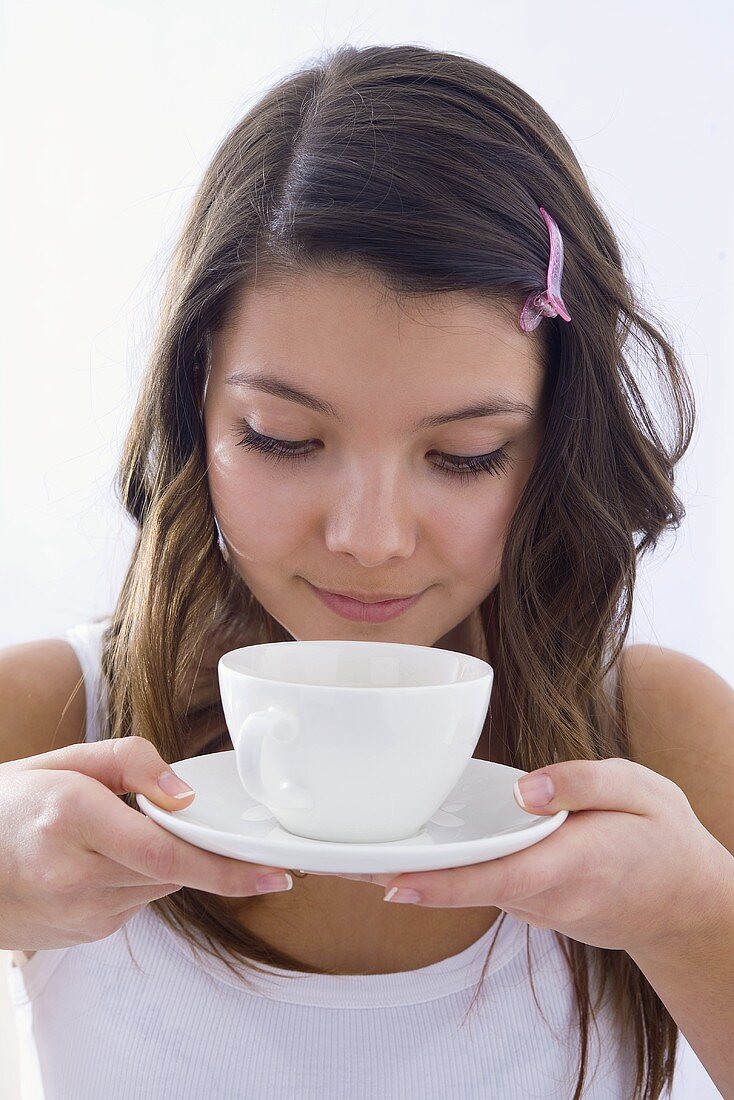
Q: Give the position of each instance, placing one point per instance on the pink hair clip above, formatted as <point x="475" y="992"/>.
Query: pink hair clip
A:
<point x="549" y="303"/>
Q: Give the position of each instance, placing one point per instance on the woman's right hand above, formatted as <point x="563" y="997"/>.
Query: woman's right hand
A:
<point x="76" y="862"/>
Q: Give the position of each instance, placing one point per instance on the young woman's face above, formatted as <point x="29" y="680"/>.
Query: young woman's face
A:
<point x="375" y="506"/>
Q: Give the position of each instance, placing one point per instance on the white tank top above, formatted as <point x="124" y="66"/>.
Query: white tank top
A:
<point x="140" y="1014"/>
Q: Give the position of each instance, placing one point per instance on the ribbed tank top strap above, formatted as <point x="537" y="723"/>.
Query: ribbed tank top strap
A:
<point x="86" y="640"/>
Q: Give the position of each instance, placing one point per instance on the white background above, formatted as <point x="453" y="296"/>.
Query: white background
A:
<point x="110" y="113"/>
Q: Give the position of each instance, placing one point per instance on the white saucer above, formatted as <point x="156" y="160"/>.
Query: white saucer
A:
<point x="479" y="820"/>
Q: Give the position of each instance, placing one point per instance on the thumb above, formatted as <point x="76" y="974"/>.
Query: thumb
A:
<point x="124" y="765"/>
<point x="614" y="783"/>
<point x="535" y="791"/>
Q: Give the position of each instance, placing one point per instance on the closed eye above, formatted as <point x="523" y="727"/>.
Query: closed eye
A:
<point x="465" y="467"/>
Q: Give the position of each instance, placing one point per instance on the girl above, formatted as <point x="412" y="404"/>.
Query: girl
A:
<point x="394" y="358"/>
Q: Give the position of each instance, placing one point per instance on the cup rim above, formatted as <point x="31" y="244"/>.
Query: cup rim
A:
<point x="482" y="668"/>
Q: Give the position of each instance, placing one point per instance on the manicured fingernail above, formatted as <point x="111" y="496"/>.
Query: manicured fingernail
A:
<point x="172" y="785"/>
<point x="534" y="790"/>
<point x="404" y="895"/>
<point x="267" y="884"/>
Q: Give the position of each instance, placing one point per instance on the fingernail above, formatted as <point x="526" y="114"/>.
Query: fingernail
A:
<point x="404" y="895"/>
<point x="534" y="790"/>
<point x="267" y="884"/>
<point x="169" y="782"/>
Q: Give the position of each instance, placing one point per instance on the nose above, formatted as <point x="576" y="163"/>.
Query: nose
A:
<point x="371" y="517"/>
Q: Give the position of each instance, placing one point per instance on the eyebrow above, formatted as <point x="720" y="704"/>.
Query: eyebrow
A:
<point x="268" y="383"/>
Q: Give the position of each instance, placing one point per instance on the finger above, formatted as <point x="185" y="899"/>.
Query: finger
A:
<point x="612" y="784"/>
<point x="151" y="854"/>
<point x="126" y="897"/>
<point x="505" y="880"/>
<point x="123" y="765"/>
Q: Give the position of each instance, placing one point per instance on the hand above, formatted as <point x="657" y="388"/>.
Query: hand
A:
<point x="78" y="862"/>
<point x="631" y="864"/>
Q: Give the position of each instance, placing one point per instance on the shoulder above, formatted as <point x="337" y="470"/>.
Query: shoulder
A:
<point x="668" y="678"/>
<point x="42" y="700"/>
<point x="680" y="720"/>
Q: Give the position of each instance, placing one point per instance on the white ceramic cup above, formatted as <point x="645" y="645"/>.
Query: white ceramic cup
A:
<point x="352" y="741"/>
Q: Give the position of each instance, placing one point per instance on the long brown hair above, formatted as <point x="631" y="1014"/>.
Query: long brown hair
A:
<point x="427" y="169"/>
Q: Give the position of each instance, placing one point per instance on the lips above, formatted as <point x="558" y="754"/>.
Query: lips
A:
<point x="365" y="597"/>
<point x="363" y="611"/>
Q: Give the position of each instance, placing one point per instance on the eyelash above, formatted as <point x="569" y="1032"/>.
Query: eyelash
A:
<point x="493" y="463"/>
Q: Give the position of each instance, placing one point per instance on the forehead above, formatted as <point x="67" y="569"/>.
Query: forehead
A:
<point x="350" y="329"/>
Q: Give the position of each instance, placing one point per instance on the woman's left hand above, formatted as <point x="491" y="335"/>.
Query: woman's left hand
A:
<point x="630" y="865"/>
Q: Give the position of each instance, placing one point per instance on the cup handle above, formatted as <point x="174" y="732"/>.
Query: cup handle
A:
<point x="282" y="724"/>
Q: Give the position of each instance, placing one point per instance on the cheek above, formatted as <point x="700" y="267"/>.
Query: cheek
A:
<point x="258" y="521"/>
<point x="473" y="535"/>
